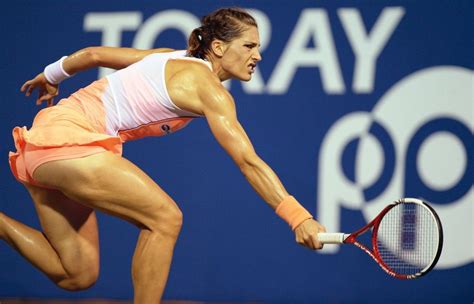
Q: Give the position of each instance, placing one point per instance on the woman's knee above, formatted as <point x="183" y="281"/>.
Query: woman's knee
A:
<point x="166" y="219"/>
<point x="79" y="276"/>
<point x="79" y="281"/>
<point x="81" y="267"/>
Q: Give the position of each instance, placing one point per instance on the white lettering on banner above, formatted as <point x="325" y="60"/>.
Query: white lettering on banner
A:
<point x="367" y="47"/>
<point x="111" y="25"/>
<point x="176" y="19"/>
<point x="313" y="23"/>
<point x="420" y="101"/>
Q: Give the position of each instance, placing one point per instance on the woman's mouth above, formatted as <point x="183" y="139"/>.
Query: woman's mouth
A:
<point x="252" y="67"/>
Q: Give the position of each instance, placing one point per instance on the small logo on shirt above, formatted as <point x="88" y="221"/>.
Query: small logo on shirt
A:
<point x="166" y="129"/>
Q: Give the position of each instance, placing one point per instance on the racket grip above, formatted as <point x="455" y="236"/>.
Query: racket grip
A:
<point x="331" y="238"/>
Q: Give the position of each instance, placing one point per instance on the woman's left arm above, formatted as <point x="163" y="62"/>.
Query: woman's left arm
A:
<point x="82" y="60"/>
<point x="103" y="56"/>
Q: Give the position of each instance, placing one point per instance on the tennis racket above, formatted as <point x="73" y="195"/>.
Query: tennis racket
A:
<point x="407" y="238"/>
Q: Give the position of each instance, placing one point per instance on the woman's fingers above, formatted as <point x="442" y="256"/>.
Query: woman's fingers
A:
<point x="25" y="85"/>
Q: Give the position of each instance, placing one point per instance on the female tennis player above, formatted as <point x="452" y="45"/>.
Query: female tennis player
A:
<point x="70" y="160"/>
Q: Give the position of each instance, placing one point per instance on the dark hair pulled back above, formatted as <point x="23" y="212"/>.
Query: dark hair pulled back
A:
<point x="225" y="24"/>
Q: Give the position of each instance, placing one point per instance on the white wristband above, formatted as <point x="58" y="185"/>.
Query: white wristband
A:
<point x="55" y="73"/>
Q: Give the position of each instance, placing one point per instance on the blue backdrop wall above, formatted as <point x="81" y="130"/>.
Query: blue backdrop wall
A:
<point x="355" y="104"/>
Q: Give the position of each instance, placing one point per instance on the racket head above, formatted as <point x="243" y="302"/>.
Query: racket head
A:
<point x="407" y="238"/>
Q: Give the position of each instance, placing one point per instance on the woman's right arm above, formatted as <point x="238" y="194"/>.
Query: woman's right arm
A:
<point x="218" y="107"/>
<point x="84" y="59"/>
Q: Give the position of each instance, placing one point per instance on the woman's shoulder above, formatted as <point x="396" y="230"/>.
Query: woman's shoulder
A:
<point x="191" y="75"/>
<point x="189" y="67"/>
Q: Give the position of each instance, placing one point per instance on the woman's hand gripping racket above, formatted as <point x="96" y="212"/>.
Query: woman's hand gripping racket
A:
<point x="407" y="238"/>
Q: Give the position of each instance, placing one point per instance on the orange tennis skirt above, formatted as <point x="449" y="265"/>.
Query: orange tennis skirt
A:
<point x="73" y="128"/>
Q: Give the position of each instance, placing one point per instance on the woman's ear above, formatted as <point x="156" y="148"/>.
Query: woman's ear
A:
<point x="218" y="47"/>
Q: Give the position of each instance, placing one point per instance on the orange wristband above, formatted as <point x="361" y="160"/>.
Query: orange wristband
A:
<point x="292" y="212"/>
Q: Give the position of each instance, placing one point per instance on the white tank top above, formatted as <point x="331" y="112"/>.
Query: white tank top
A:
<point x="137" y="103"/>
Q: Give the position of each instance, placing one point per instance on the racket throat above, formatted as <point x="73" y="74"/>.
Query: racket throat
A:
<point x="349" y="239"/>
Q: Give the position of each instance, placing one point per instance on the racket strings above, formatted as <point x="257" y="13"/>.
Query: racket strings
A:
<point x="408" y="239"/>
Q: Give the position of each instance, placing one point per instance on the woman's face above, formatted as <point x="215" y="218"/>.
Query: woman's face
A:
<point x="241" y="55"/>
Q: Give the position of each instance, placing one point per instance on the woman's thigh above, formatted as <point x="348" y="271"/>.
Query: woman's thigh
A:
<point x="112" y="184"/>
